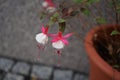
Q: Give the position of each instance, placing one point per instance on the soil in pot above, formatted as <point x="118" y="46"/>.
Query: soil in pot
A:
<point x="108" y="46"/>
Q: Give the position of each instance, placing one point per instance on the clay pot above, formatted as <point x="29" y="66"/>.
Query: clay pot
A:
<point x="99" y="69"/>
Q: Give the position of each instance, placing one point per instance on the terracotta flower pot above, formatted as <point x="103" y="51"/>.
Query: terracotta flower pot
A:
<point x="99" y="69"/>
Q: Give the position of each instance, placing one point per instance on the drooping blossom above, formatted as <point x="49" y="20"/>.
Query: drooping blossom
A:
<point x="49" y="6"/>
<point x="60" y="41"/>
<point x="42" y="38"/>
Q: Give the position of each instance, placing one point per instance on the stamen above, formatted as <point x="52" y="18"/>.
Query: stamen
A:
<point x="59" y="55"/>
<point x="38" y="58"/>
<point x="58" y="64"/>
<point x="40" y="47"/>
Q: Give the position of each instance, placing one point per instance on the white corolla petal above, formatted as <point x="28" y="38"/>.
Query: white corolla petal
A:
<point x="45" y="4"/>
<point x="51" y="9"/>
<point x="58" y="45"/>
<point x="42" y="38"/>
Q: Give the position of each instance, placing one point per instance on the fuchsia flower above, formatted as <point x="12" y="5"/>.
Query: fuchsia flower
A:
<point x="60" y="41"/>
<point x="49" y="5"/>
<point x="42" y="38"/>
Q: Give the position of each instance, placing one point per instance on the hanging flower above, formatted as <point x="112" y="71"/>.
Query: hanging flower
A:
<point x="60" y="41"/>
<point x="42" y="38"/>
<point x="49" y="6"/>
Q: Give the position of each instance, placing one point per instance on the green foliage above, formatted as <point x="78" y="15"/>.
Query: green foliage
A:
<point x="54" y="17"/>
<point x="114" y="32"/>
<point x="100" y="20"/>
<point x="61" y="20"/>
<point x="116" y="3"/>
<point x="118" y="7"/>
<point x="62" y="25"/>
<point x="85" y="1"/>
<point x="110" y="4"/>
<point x="116" y="66"/>
<point x="85" y="11"/>
<point x="118" y="10"/>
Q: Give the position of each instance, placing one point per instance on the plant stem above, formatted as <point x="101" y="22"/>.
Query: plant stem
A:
<point x="115" y="7"/>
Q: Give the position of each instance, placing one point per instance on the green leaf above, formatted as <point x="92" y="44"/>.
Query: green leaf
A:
<point x="115" y="32"/>
<point x="86" y="1"/>
<point x="100" y="20"/>
<point x="85" y="11"/>
<point x="116" y="66"/>
<point x="62" y="26"/>
<point x="118" y="8"/>
<point x="61" y="20"/>
<point x="54" y="19"/>
<point x="56" y="15"/>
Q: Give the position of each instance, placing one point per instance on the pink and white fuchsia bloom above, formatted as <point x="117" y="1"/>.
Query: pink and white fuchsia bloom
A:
<point x="49" y="6"/>
<point x="42" y="38"/>
<point x="60" y="41"/>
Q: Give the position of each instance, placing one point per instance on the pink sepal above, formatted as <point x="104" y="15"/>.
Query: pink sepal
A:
<point x="65" y="41"/>
<point x="55" y="40"/>
<point x="68" y="35"/>
<point x="44" y="29"/>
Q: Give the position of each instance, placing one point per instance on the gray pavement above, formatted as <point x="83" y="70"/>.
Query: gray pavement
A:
<point x="35" y="71"/>
<point x="19" y="23"/>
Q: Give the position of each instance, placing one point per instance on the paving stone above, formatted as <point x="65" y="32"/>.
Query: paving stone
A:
<point x="80" y="77"/>
<point x="11" y="76"/>
<point x="41" y="72"/>
<point x="6" y="64"/>
<point x="62" y="75"/>
<point x="22" y="68"/>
